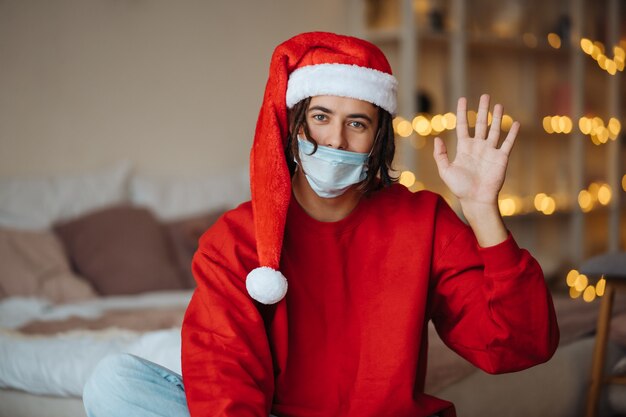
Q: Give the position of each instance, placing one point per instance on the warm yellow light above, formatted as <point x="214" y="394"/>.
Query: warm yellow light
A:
<point x="618" y="52"/>
<point x="584" y="124"/>
<point x="507" y="206"/>
<point x="407" y="178"/>
<point x="611" y="66"/>
<point x="421" y="125"/>
<point x="603" y="134"/>
<point x="590" y="294"/>
<point x="507" y="122"/>
<point x="563" y="124"/>
<point x="585" y="201"/>
<point x="574" y="293"/>
<point x="404" y="129"/>
<point x="396" y="121"/>
<point x="437" y="123"/>
<point x="624" y="183"/>
<point x="595" y="140"/>
<point x="602" y="61"/>
<point x="614" y="126"/>
<point x="554" y="40"/>
<point x="471" y="118"/>
<point x="593" y="189"/>
<point x="595" y="52"/>
<point x="529" y="40"/>
<point x="619" y="63"/>
<point x="548" y="205"/>
<point x="567" y="125"/>
<point x="586" y="45"/>
<point x="599" y="45"/>
<point x="600" y="286"/>
<point x="581" y="282"/>
<point x="571" y="277"/>
<point x="538" y="200"/>
<point x="555" y="123"/>
<point x="604" y="194"/>
<point x="449" y="121"/>
<point x="547" y="124"/>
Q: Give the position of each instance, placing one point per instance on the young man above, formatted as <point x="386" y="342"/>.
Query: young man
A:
<point x="367" y="262"/>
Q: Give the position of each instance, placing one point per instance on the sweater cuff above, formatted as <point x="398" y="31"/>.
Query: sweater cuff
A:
<point x="503" y="256"/>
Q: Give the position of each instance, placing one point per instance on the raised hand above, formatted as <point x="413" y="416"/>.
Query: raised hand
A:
<point x="479" y="167"/>
<point x="477" y="173"/>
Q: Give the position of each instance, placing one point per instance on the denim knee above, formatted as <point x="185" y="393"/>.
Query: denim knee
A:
<point x="107" y="381"/>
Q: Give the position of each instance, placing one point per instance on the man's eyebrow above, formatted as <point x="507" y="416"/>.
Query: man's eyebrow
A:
<point x="320" y="108"/>
<point x="350" y="116"/>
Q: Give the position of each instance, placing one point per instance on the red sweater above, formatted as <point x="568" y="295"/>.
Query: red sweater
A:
<point x="350" y="338"/>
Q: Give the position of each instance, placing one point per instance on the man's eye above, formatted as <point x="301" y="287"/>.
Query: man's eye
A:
<point x="356" y="124"/>
<point x="319" y="117"/>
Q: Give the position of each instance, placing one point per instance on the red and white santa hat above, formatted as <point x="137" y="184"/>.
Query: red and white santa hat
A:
<point x="307" y="65"/>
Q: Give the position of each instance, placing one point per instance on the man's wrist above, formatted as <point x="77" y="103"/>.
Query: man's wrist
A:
<point x="485" y="220"/>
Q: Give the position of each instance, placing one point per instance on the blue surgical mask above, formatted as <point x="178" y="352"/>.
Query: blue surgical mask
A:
<point x="330" y="172"/>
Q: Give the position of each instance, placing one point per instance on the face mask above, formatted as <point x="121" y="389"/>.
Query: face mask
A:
<point x="330" y="172"/>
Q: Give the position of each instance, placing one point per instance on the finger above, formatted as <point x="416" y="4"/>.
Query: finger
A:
<point x="494" y="130"/>
<point x="441" y="155"/>
<point x="461" y="118"/>
<point x="509" y="141"/>
<point x="481" y="119"/>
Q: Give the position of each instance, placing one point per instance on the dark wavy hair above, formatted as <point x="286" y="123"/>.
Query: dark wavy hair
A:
<point x="380" y="160"/>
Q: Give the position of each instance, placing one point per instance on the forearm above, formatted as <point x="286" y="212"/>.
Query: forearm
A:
<point x="485" y="221"/>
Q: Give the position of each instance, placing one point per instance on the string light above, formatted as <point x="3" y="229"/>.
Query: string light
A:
<point x="597" y="51"/>
<point x="589" y="294"/>
<point x="581" y="282"/>
<point x="407" y="178"/>
<point x="554" y="40"/>
<point x="604" y="194"/>
<point x="404" y="128"/>
<point x="600" y="286"/>
<point x="579" y="285"/>
<point x="557" y="124"/>
<point x="598" y="132"/>
<point x="585" y="201"/>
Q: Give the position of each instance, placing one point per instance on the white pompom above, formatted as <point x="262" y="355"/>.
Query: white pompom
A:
<point x="266" y="285"/>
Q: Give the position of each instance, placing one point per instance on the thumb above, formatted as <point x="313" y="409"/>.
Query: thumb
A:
<point x="441" y="155"/>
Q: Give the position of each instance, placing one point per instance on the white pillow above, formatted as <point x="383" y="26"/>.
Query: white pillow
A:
<point x="175" y="198"/>
<point x="38" y="202"/>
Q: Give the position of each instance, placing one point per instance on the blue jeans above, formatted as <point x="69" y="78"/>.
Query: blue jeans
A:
<point x="124" y="385"/>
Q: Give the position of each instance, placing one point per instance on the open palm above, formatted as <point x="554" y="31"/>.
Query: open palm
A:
<point x="477" y="173"/>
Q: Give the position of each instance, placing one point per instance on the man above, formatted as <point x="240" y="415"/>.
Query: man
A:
<point x="367" y="263"/>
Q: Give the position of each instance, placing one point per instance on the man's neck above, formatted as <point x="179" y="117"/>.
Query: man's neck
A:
<point x="323" y="209"/>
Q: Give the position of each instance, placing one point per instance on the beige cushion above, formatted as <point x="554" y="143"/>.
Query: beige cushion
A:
<point x="34" y="264"/>
<point x="184" y="235"/>
<point x="121" y="250"/>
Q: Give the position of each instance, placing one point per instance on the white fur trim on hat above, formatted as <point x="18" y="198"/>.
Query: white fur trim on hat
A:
<point x="266" y="285"/>
<point x="343" y="80"/>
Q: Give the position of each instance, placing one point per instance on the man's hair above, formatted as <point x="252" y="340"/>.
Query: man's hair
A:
<point x="379" y="163"/>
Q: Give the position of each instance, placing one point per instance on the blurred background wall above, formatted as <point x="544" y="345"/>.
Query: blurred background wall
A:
<point x="172" y="86"/>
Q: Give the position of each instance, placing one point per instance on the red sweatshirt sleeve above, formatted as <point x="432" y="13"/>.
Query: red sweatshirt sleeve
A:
<point x="490" y="305"/>
<point x="226" y="359"/>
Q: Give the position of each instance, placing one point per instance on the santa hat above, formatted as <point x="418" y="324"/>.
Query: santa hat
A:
<point x="307" y="65"/>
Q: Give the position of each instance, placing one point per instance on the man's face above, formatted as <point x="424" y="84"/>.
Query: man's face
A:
<point x="342" y="123"/>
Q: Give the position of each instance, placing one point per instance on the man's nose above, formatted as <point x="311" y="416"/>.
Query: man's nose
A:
<point x="336" y="138"/>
